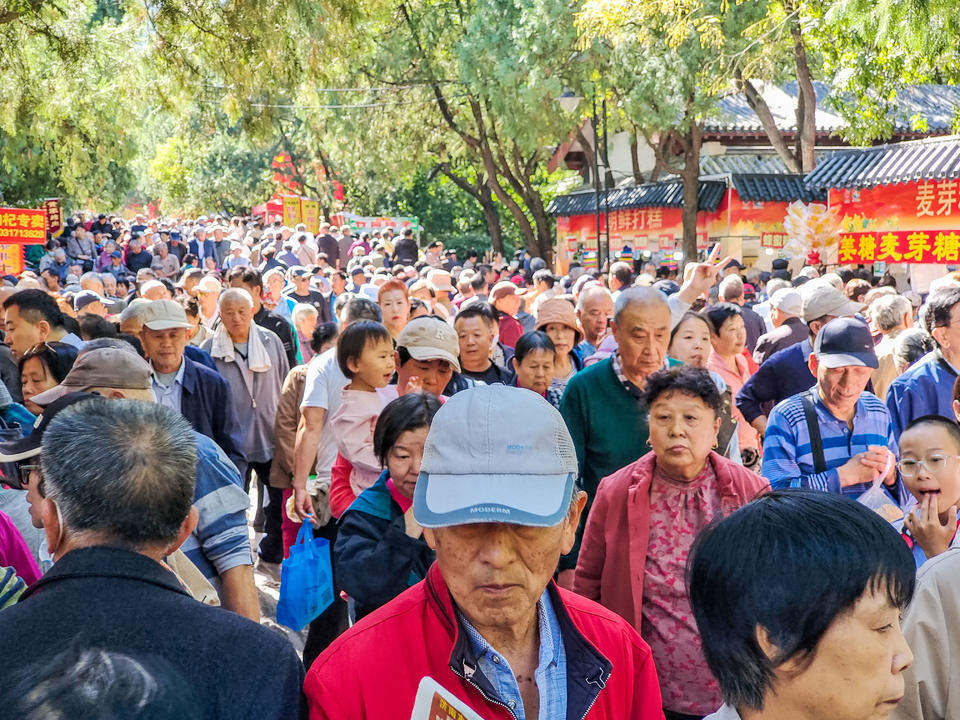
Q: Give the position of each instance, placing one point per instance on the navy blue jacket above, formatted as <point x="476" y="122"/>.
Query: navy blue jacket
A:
<point x="207" y="403"/>
<point x="374" y="558"/>
<point x="200" y="356"/>
<point x="209" y="249"/>
<point x="124" y="602"/>
<point x="781" y="375"/>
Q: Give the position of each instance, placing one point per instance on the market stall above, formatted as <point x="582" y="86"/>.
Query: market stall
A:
<point x="895" y="204"/>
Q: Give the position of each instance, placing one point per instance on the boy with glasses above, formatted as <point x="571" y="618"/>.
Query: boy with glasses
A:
<point x="930" y="468"/>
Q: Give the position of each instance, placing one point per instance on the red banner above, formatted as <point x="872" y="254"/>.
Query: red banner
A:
<point x="21" y="226"/>
<point x="900" y="246"/>
<point x="773" y="239"/>
<point x="54" y="216"/>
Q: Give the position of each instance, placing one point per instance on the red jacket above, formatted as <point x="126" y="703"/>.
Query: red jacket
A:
<point x="510" y="329"/>
<point x="372" y="671"/>
<point x="613" y="555"/>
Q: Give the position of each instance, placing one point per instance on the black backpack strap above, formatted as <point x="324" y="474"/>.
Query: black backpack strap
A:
<point x="813" y="428"/>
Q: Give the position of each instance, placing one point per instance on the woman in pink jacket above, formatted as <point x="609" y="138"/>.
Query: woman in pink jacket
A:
<point x="728" y="336"/>
<point x="643" y="523"/>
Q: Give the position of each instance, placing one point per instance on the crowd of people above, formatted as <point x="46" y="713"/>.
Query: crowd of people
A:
<point x="639" y="493"/>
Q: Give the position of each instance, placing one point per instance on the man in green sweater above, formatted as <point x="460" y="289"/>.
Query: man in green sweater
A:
<point x="601" y="404"/>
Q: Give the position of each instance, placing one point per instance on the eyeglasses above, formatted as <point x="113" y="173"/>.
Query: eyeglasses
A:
<point x="934" y="464"/>
<point x="25" y="470"/>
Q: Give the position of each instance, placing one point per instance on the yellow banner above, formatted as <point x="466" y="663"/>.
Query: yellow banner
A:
<point x="311" y="214"/>
<point x="11" y="259"/>
<point x="291" y="210"/>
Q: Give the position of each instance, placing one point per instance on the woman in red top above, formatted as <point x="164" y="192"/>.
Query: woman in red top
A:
<point x="643" y="523"/>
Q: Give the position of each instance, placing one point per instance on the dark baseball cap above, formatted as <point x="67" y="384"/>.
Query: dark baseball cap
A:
<point x="28" y="447"/>
<point x="845" y="342"/>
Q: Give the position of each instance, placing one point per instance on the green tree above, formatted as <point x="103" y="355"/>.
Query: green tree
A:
<point x="65" y="112"/>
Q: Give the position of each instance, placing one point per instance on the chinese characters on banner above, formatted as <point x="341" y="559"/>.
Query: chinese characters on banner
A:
<point x="291" y="210"/>
<point x="51" y="206"/>
<point x="774" y="240"/>
<point x="360" y="223"/>
<point x="311" y="214"/>
<point x="907" y="246"/>
<point x="11" y="259"/>
<point x="937" y="198"/>
<point x="633" y="220"/>
<point x="23" y="226"/>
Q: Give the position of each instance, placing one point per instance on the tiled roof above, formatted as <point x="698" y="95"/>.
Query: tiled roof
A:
<point x="734" y="115"/>
<point x="755" y="162"/>
<point x="936" y="104"/>
<point x="774" y="188"/>
<point x="929" y="159"/>
<point x="665" y="194"/>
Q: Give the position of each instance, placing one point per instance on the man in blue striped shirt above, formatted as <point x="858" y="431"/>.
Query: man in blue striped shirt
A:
<point x="854" y="426"/>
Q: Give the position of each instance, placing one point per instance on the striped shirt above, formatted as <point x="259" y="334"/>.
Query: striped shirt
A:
<point x="787" y="453"/>
<point x="220" y="541"/>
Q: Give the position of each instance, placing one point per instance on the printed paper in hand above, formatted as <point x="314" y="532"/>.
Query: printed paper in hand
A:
<point x="435" y="702"/>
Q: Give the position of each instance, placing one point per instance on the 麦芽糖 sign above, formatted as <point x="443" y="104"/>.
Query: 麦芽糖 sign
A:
<point x="900" y="246"/>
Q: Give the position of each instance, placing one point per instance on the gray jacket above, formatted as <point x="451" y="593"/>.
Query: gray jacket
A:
<point x="77" y="247"/>
<point x="255" y="395"/>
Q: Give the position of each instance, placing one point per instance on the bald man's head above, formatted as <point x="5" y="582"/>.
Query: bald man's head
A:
<point x="645" y="297"/>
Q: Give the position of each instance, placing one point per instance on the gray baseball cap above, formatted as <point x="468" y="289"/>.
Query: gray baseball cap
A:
<point x="104" y="367"/>
<point x="787" y="300"/>
<point x="477" y="467"/>
<point x="821" y="298"/>
<point x="165" y="315"/>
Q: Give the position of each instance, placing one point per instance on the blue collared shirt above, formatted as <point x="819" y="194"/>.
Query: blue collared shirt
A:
<point x="169" y="395"/>
<point x="787" y="452"/>
<point x="551" y="673"/>
<point x="71" y="339"/>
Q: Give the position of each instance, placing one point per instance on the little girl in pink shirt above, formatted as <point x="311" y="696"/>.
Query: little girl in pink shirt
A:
<point x="365" y="354"/>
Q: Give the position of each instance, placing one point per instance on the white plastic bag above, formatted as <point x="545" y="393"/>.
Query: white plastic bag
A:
<point x="879" y="501"/>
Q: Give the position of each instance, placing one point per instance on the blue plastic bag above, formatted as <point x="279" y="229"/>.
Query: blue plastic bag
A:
<point x="306" y="580"/>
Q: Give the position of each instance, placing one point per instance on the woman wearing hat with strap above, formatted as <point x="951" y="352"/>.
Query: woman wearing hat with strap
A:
<point x="558" y="319"/>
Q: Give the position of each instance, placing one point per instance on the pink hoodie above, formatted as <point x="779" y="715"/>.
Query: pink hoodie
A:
<point x="353" y="424"/>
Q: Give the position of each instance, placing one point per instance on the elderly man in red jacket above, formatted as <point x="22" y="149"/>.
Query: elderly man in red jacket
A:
<point x="498" y="505"/>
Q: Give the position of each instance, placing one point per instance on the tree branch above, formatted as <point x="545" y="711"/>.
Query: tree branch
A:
<point x="759" y="106"/>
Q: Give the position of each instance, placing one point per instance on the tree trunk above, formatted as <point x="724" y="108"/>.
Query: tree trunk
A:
<point x="691" y="190"/>
<point x="482" y="194"/>
<point x="634" y="159"/>
<point x="492" y="217"/>
<point x="759" y="105"/>
<point x="478" y="143"/>
<point x="587" y="151"/>
<point x="545" y="232"/>
<point x="807" y="110"/>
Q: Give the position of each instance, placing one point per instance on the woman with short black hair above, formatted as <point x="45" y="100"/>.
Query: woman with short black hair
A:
<point x="643" y="523"/>
<point x="534" y="359"/>
<point x="380" y="550"/>
<point x="728" y="337"/>
<point x="44" y="367"/>
<point x="806" y="624"/>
